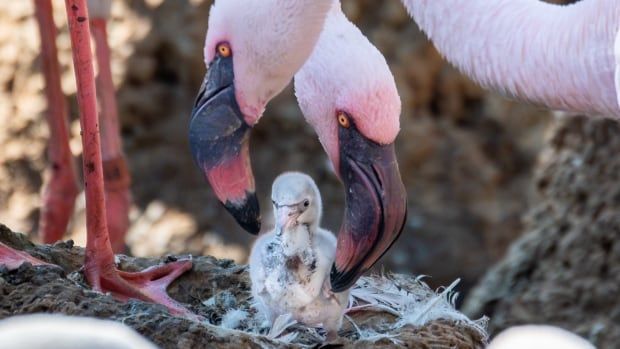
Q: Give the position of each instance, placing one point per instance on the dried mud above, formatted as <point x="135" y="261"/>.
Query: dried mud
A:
<point x="565" y="270"/>
<point x="62" y="289"/>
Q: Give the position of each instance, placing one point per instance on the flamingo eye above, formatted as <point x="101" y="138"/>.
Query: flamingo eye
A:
<point x="306" y="203"/>
<point x="223" y="49"/>
<point x="343" y="119"/>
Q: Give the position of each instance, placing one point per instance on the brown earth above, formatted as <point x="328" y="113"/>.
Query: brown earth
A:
<point x="209" y="289"/>
<point x="565" y="270"/>
<point x="466" y="156"/>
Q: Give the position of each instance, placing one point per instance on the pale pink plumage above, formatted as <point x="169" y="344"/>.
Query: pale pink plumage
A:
<point x="266" y="53"/>
<point x="347" y="73"/>
<point x="562" y="57"/>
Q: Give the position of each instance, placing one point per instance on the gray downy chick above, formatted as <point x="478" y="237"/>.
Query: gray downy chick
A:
<point x="289" y="266"/>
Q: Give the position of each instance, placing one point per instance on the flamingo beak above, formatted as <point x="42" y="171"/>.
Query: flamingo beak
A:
<point x="219" y="139"/>
<point x="375" y="207"/>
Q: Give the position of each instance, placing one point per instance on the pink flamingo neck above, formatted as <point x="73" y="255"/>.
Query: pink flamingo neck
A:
<point x="561" y="57"/>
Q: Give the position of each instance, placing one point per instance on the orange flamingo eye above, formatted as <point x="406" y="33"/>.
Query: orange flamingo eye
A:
<point x="223" y="49"/>
<point x="343" y="119"/>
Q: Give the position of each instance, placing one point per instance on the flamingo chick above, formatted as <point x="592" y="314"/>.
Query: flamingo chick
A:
<point x="347" y="93"/>
<point x="289" y="265"/>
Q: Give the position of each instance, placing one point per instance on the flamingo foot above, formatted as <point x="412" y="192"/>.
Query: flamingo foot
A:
<point x="12" y="258"/>
<point x="148" y="285"/>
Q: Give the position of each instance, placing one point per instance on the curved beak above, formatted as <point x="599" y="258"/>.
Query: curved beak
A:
<point x="375" y="208"/>
<point x="219" y="140"/>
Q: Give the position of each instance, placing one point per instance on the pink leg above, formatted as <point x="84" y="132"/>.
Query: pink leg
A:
<point x="100" y="269"/>
<point x="61" y="189"/>
<point x="116" y="175"/>
<point x="12" y="259"/>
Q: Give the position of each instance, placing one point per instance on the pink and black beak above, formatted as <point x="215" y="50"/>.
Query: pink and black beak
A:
<point x="219" y="139"/>
<point x="375" y="208"/>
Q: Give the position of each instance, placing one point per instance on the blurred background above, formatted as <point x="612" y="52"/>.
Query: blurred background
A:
<point x="467" y="156"/>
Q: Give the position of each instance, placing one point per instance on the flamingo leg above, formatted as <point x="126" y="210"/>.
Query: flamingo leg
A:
<point x="100" y="269"/>
<point x="61" y="189"/>
<point x="115" y="173"/>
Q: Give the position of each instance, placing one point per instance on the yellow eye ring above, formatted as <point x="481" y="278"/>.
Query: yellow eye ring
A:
<point x="223" y="49"/>
<point x="343" y="119"/>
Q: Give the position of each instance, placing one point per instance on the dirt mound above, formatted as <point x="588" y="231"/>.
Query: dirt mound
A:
<point x="565" y="270"/>
<point x="211" y="289"/>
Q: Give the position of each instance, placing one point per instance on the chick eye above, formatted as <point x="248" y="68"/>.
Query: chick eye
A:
<point x="343" y="119"/>
<point x="306" y="203"/>
<point x="223" y="49"/>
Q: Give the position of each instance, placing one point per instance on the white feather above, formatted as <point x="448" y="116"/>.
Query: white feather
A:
<point x="415" y="306"/>
<point x="233" y="318"/>
<point x="281" y="324"/>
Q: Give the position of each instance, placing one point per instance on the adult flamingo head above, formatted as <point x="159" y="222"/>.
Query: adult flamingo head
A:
<point x="252" y="50"/>
<point x="348" y="94"/>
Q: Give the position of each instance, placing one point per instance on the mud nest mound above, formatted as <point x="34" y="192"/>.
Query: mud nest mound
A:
<point x="212" y="289"/>
<point x="565" y="270"/>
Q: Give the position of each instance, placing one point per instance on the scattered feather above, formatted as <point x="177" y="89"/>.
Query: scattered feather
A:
<point x="209" y="302"/>
<point x="372" y="336"/>
<point x="409" y="299"/>
<point x="416" y="306"/>
<point x="281" y="324"/>
<point x="233" y="318"/>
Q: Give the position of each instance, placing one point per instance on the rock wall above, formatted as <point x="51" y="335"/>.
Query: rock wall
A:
<point x="466" y="155"/>
<point x="565" y="270"/>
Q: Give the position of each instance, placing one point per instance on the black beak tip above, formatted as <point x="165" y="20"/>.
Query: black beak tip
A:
<point x="247" y="214"/>
<point x="342" y="280"/>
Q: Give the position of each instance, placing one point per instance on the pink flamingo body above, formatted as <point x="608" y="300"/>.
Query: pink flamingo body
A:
<point x="560" y="57"/>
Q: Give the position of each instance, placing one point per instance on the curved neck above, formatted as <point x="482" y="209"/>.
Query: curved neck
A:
<point x="561" y="57"/>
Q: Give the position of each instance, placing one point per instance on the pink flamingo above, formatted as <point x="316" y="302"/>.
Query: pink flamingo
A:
<point x="99" y="265"/>
<point x="561" y="57"/>
<point x="116" y="175"/>
<point x="99" y="268"/>
<point x="60" y="192"/>
<point x="61" y="189"/>
<point x="352" y="104"/>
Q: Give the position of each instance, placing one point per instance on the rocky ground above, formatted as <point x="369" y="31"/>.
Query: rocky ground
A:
<point x="466" y="156"/>
<point x="565" y="270"/>
<point x="212" y="289"/>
